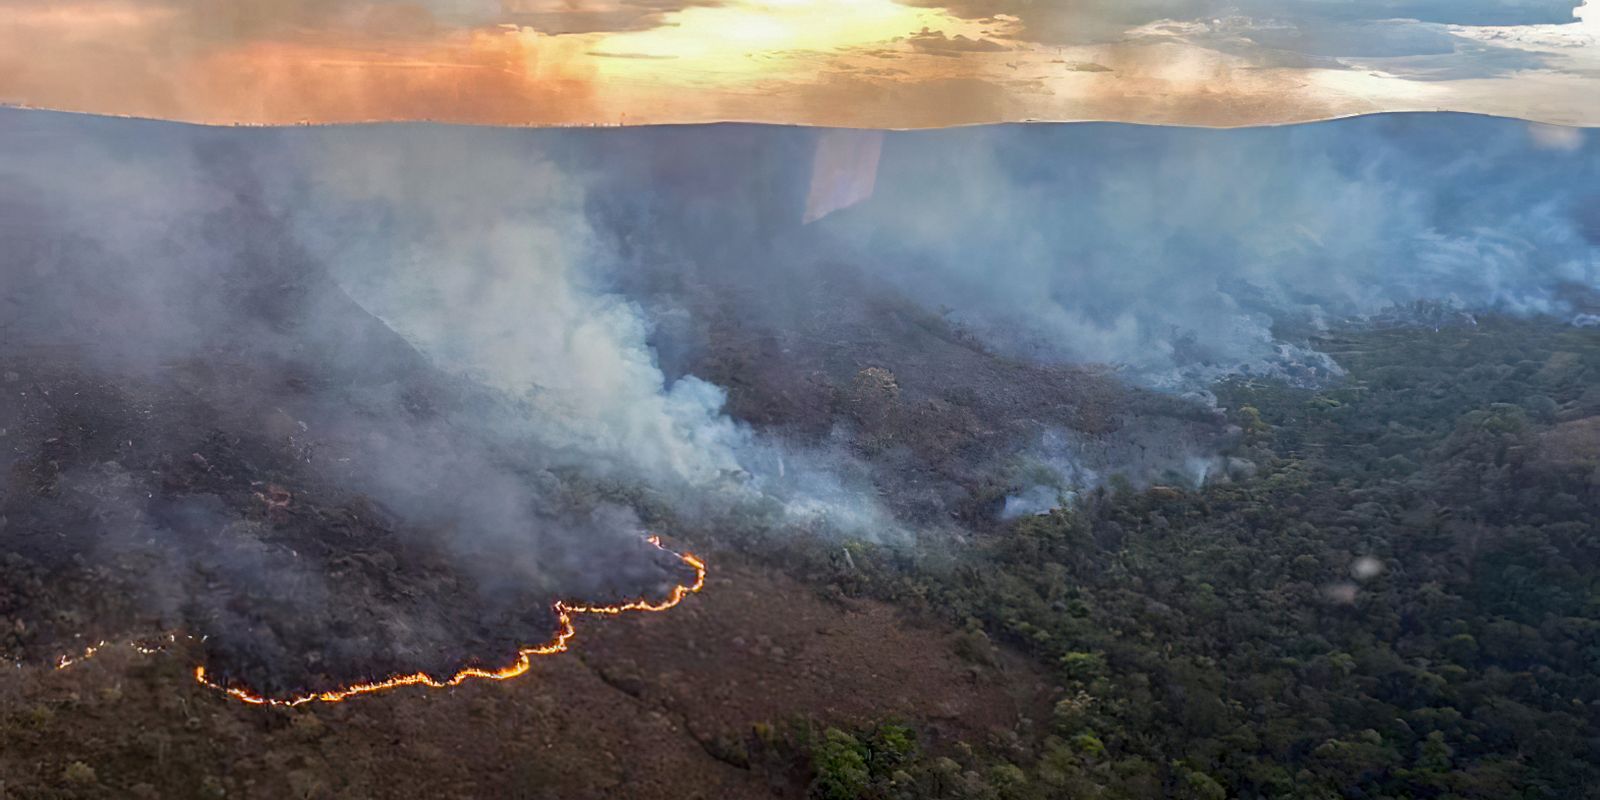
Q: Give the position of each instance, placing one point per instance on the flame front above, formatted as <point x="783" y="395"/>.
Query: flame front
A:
<point x="524" y="661"/>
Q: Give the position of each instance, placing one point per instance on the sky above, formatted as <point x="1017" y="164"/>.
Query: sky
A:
<point x="846" y="63"/>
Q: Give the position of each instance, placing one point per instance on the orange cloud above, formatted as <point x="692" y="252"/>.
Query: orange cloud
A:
<point x="115" y="59"/>
<point x="503" y="77"/>
<point x="866" y="63"/>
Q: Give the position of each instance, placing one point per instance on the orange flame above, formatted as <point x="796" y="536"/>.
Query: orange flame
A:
<point x="64" y="661"/>
<point x="522" y="664"/>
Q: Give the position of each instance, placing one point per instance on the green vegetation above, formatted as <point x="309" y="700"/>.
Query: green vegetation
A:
<point x="849" y="766"/>
<point x="1402" y="602"/>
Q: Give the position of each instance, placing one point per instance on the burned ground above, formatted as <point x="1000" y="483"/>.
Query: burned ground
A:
<point x="1384" y="588"/>
<point x="137" y="507"/>
<point x="813" y="345"/>
<point x="206" y="432"/>
<point x="233" y="487"/>
<point x="942" y="420"/>
<point x="242" y="489"/>
<point x="680" y="705"/>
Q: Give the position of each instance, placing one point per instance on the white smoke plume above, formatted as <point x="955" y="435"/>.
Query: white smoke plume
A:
<point x="474" y="246"/>
<point x="480" y="254"/>
<point x="1182" y="255"/>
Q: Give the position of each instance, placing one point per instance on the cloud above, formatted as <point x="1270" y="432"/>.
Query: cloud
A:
<point x="1103" y="21"/>
<point x="482" y="75"/>
<point x="555" y="62"/>
<point x="1362" y="39"/>
<point x="940" y="43"/>
<point x="593" y="16"/>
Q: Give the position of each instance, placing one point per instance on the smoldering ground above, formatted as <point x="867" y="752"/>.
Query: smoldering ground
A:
<point x="205" y="432"/>
<point x="366" y="400"/>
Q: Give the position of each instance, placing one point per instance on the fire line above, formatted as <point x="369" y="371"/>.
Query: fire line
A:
<point x="524" y="661"/>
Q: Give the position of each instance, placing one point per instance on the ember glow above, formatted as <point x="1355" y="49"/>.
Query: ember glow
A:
<point x="524" y="661"/>
<point x="138" y="646"/>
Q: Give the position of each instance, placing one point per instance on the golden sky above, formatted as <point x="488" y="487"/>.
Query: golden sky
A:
<point x="856" y="63"/>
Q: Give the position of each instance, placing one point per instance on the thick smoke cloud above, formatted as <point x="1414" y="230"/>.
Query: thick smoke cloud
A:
<point x="476" y="247"/>
<point x="421" y="375"/>
<point x="1186" y="255"/>
<point x="471" y="245"/>
<point x="358" y="396"/>
<point x="1180" y="255"/>
<point x="477" y="253"/>
<point x="1176" y="256"/>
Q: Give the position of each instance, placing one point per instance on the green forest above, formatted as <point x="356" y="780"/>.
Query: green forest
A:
<point x="1401" y="602"/>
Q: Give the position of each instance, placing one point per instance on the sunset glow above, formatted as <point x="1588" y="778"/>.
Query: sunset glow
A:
<point x="867" y="63"/>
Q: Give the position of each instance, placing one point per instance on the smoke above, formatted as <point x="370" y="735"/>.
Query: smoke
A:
<point x="352" y="402"/>
<point x="478" y="254"/>
<point x="1179" y="255"/>
<point x="415" y="381"/>
<point x="477" y="248"/>
<point x="1055" y="470"/>
<point x="1187" y="255"/>
<point x="471" y="245"/>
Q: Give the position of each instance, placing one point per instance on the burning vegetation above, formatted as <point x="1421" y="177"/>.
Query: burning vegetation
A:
<point x="564" y="612"/>
<point x="1063" y="493"/>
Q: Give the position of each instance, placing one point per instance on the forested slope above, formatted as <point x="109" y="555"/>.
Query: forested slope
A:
<point x="1400" y="603"/>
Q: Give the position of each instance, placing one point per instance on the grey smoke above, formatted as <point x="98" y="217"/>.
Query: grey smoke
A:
<point x="471" y="245"/>
<point x="480" y="254"/>
<point x="1186" y="255"/>
<point x="579" y="282"/>
<point x="1178" y="255"/>
<point x="413" y="329"/>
